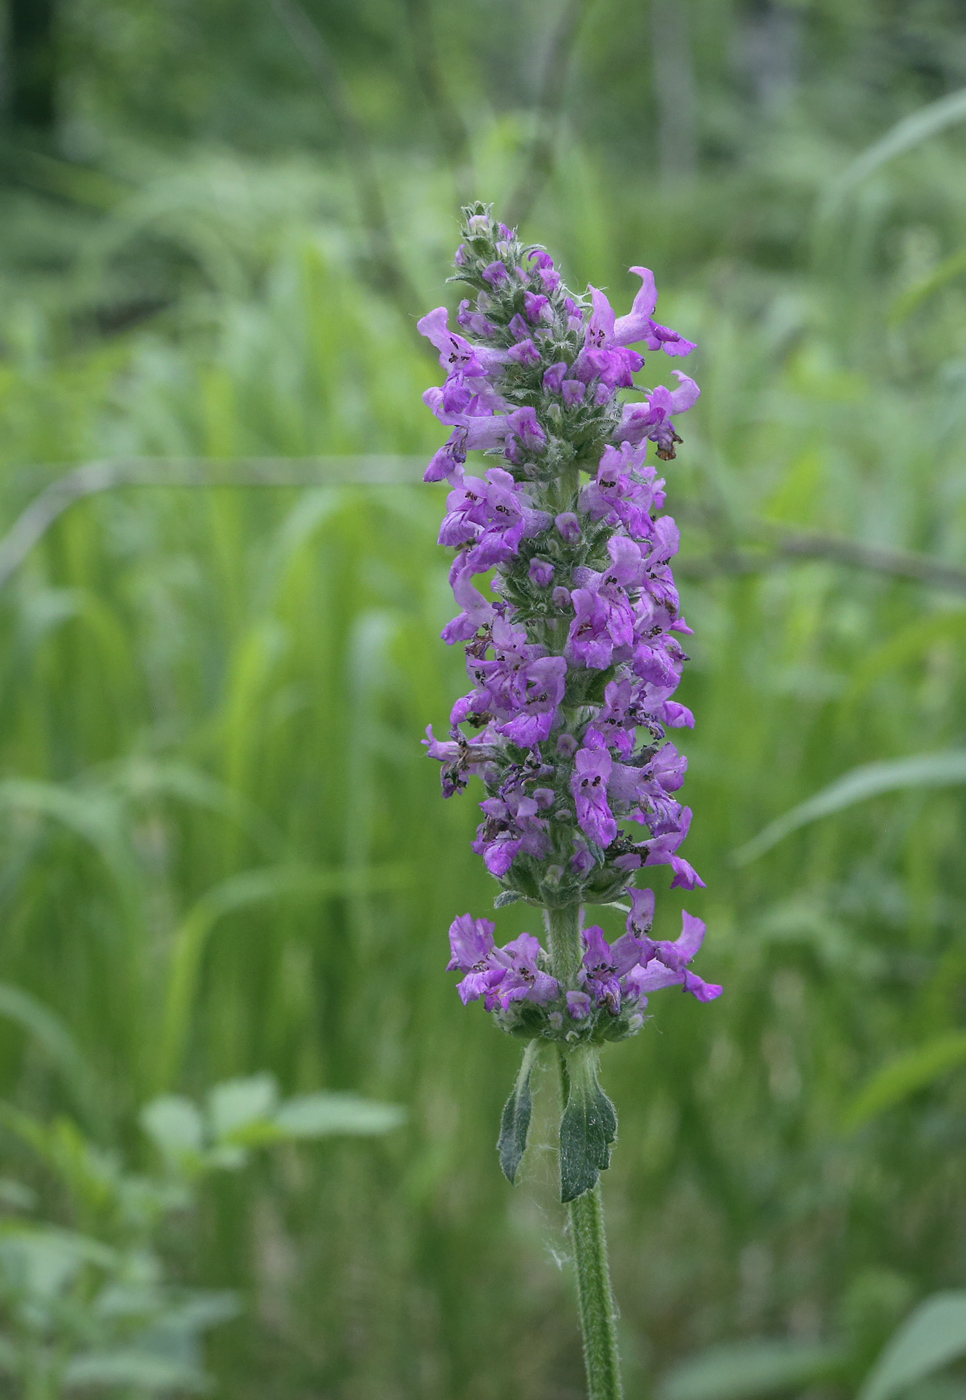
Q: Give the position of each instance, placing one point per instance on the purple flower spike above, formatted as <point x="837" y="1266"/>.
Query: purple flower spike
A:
<point x="574" y="641"/>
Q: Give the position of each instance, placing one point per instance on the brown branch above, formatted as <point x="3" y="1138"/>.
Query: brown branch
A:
<point x="899" y="563"/>
<point x="543" y="147"/>
<point x="93" y="478"/>
<point x="788" y="545"/>
<point x="391" y="275"/>
<point x="449" y="122"/>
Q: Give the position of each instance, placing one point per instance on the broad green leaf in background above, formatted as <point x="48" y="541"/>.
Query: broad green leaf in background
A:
<point x="125" y="1367"/>
<point x="175" y="1125"/>
<point x="322" y="1114"/>
<point x="43" y="1260"/>
<point x="746" y="1369"/>
<point x="904" y="1075"/>
<point x="871" y="780"/>
<point x="238" y="1103"/>
<point x="246" y="1113"/>
<point x="932" y="1337"/>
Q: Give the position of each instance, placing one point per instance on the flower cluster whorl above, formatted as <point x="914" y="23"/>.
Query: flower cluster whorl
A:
<point x="580" y="651"/>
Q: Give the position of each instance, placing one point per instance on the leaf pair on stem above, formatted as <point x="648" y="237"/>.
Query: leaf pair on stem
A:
<point x="588" y="1126"/>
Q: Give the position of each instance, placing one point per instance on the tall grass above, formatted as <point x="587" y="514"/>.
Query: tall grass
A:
<point x="223" y="850"/>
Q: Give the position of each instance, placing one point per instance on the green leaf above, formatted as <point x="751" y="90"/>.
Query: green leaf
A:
<point x="128" y="1367"/>
<point x="904" y="1075"/>
<point x="201" y="1309"/>
<point x="930" y="1338"/>
<point x="10" y="1360"/>
<point x="743" y="1369"/>
<point x="587" y="1129"/>
<point x="938" y="1388"/>
<point x="908" y="133"/>
<point x="515" y="1124"/>
<point x="52" y="1035"/>
<point x="236" y="1104"/>
<point x="174" y="1125"/>
<point x="872" y="779"/>
<point x="507" y="897"/>
<point x="319" y="1115"/>
<point x="15" y="1196"/>
<point x="915" y="295"/>
<point x="43" y="1261"/>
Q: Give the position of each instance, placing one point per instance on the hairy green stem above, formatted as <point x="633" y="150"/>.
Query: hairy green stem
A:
<point x="563" y="927"/>
<point x="595" y="1298"/>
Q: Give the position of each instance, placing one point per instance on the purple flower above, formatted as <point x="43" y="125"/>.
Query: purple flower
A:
<point x="525" y="979"/>
<point x="495" y="273"/>
<point x="545" y="680"/>
<point x="579" y="1005"/>
<point x="549" y="277"/>
<point x="455" y="353"/>
<point x="541" y="572"/>
<point x="652" y="419"/>
<point x="491" y="515"/>
<point x="662" y="851"/>
<point x="639" y="325"/>
<point x="592" y="770"/>
<point x="538" y="308"/>
<point x="461" y="758"/>
<point x="604" y="618"/>
<point x="568" y="526"/>
<point x="625" y="491"/>
<point x="554" y="377"/>
<point x="524" y="431"/>
<point x="641" y="917"/>
<point x="603" y="355"/>
<point x="524" y="353"/>
<point x="499" y="975"/>
<point x="474" y="321"/>
<point x="575" y="314"/>
<point x="477" y="612"/>
<point x="589" y="642"/>
<point x="600" y="970"/>
<point x="668" y="965"/>
<point x="473" y="952"/>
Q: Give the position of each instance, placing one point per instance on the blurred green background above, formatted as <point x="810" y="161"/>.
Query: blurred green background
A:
<point x="222" y="850"/>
